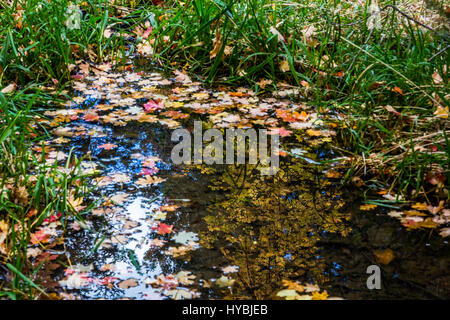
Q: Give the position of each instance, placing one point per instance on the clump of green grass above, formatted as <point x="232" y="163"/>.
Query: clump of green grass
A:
<point x="31" y="190"/>
<point x="41" y="40"/>
<point x="347" y="58"/>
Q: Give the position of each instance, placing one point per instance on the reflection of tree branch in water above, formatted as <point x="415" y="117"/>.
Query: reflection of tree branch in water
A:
<point x="269" y="225"/>
<point x="247" y="283"/>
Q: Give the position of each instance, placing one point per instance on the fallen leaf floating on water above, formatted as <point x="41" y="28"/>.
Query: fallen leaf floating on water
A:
<point x="420" y="206"/>
<point x="291" y="116"/>
<point x="129" y="224"/>
<point x="319" y="296"/>
<point x="129" y="283"/>
<point x="119" y="239"/>
<point x="159" y="215"/>
<point x="179" y="294"/>
<point x="230" y="269"/>
<point x="435" y="210"/>
<point x="224" y="281"/>
<point x="153" y="105"/>
<point x="103" y="211"/>
<point x="166" y="282"/>
<point x="169" y="208"/>
<point x="293" y="285"/>
<point x="145" y="48"/>
<point x="395" y="214"/>
<point x="290" y="294"/>
<point x="43" y="234"/>
<point x="163" y="228"/>
<point x="108" y="267"/>
<point x="200" y="96"/>
<point x="182" y="77"/>
<point x="107" y="146"/>
<point x="150" y="162"/>
<point x="384" y="256"/>
<point x="157" y="243"/>
<point x="311" y="287"/>
<point x="175" y="114"/>
<point x="414" y="213"/>
<point x="185" y="237"/>
<point x="264" y="83"/>
<point x="149" y="171"/>
<point x="113" y="178"/>
<point x="74" y="281"/>
<point x="78" y="225"/>
<point x="181" y="251"/>
<point x="445" y="232"/>
<point x="91" y="116"/>
<point x="319" y="133"/>
<point x="185" y="278"/>
<point x="120" y="198"/>
<point x="282" y="132"/>
<point x="367" y="207"/>
<point x="149" y="180"/>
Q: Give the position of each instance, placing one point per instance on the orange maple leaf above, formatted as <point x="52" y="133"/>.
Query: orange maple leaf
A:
<point x="397" y="90"/>
<point x="91" y="116"/>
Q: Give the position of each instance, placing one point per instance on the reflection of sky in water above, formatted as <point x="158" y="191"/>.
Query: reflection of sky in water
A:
<point x="138" y="242"/>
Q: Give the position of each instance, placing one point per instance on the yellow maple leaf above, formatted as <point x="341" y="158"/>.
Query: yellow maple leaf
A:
<point x="314" y="133"/>
<point x="441" y="112"/>
<point x="319" y="296"/>
<point x="420" y="206"/>
<point x="367" y="207"/>
<point x="284" y="66"/>
<point x="428" y="223"/>
<point x="293" y="285"/>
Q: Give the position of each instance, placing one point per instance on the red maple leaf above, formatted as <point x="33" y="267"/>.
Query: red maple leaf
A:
<point x="149" y="171"/>
<point x="153" y="105"/>
<point x="282" y="132"/>
<point x="77" y="76"/>
<point x="69" y="271"/>
<point x="39" y="236"/>
<point x="163" y="228"/>
<point x="53" y="217"/>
